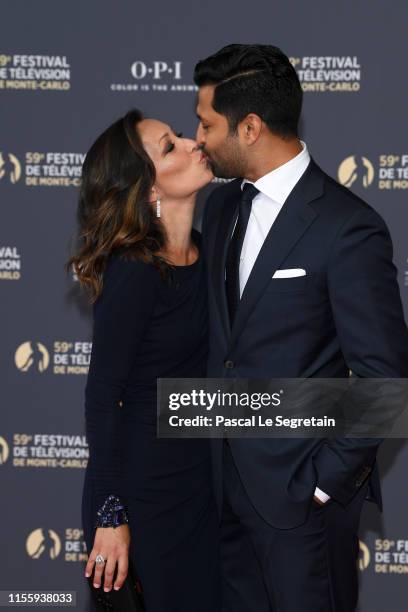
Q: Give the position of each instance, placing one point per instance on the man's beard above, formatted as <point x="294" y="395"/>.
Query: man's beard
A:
<point x="224" y="170"/>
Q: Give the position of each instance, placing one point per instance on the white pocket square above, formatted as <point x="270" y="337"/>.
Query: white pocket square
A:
<point x="289" y="273"/>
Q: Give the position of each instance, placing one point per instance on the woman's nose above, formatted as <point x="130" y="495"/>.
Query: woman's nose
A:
<point x="192" y="145"/>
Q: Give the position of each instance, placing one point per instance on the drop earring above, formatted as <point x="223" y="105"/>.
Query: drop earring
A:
<point x="158" y="207"/>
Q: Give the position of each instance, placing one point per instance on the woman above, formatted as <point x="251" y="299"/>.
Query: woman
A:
<point x="145" y="497"/>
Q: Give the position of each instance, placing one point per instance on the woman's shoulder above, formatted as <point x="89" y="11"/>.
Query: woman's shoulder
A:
<point x="123" y="273"/>
<point x="121" y="261"/>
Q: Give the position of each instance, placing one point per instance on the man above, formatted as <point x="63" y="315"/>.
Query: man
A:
<point x="301" y="284"/>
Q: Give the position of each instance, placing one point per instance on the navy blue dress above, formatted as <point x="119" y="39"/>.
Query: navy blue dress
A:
<point x="145" y="328"/>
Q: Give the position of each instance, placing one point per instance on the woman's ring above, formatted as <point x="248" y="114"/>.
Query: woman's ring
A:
<point x="99" y="559"/>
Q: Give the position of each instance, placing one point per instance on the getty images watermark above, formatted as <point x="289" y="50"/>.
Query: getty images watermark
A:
<point x="284" y="407"/>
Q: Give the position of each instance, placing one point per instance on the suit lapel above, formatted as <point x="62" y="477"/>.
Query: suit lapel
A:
<point x="229" y="211"/>
<point x="294" y="218"/>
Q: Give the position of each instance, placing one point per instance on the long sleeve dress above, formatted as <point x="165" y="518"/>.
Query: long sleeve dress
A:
<point x="145" y="328"/>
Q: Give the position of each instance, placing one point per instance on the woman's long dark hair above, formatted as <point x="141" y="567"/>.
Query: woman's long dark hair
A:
<point x="114" y="213"/>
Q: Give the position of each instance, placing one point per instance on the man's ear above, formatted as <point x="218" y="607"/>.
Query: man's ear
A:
<point x="250" y="128"/>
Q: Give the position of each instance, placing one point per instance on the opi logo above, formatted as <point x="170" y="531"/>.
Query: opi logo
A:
<point x="156" y="70"/>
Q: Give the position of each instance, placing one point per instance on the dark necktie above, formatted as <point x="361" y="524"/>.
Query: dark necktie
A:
<point x="234" y="250"/>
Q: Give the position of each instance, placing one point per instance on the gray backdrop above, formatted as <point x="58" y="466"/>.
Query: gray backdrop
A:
<point x="67" y="70"/>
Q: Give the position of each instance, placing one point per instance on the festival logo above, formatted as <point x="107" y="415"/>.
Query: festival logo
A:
<point x="35" y="72"/>
<point x="10" y="168"/>
<point x="364" y="557"/>
<point x="356" y="169"/>
<point x="32" y="355"/>
<point x="389" y="169"/>
<point x="4" y="451"/>
<point x="49" y="450"/>
<point x="10" y="263"/>
<point x="66" y="357"/>
<point x="43" y="542"/>
<point x="327" y="73"/>
<point x="46" y="544"/>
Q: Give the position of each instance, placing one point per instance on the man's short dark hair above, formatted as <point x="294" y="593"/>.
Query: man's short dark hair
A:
<point x="253" y="79"/>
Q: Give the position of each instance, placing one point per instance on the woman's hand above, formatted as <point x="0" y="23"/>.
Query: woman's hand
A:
<point x="113" y="545"/>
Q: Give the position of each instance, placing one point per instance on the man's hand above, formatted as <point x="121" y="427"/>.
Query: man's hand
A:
<point x="113" y="545"/>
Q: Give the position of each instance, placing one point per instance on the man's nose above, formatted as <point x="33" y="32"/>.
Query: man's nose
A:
<point x="200" y="135"/>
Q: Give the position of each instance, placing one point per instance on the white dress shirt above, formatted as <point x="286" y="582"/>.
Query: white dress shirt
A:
<point x="274" y="189"/>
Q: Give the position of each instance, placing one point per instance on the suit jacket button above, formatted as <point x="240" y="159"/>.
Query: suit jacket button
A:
<point x="229" y="364"/>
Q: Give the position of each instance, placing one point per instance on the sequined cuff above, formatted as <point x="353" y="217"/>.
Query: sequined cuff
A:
<point x="112" y="513"/>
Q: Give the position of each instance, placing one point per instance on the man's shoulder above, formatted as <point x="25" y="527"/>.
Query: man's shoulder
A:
<point x="340" y="201"/>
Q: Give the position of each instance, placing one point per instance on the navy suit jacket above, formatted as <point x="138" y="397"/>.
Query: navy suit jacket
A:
<point x="345" y="314"/>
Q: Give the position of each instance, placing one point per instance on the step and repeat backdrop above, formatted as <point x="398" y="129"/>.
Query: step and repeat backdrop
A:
<point x="68" y="70"/>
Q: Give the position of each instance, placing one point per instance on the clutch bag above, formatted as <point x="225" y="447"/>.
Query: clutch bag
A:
<point x="129" y="598"/>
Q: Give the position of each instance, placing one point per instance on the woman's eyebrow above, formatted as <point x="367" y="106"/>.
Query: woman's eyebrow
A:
<point x="167" y="134"/>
